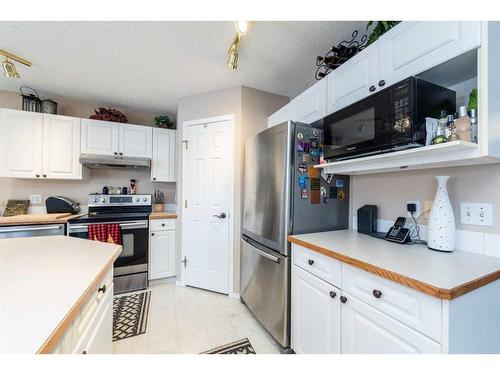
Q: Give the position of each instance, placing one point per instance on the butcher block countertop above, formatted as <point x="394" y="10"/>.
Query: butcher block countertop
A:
<point x="442" y="275"/>
<point x="162" y="215"/>
<point x="29" y="219"/>
<point x="44" y="283"/>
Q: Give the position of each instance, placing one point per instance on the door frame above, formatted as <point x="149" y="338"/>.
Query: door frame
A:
<point x="230" y="118"/>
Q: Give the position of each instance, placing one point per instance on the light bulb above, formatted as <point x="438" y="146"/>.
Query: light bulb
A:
<point x="241" y="26"/>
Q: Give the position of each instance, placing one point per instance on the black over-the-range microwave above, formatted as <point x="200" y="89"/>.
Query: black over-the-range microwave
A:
<point x="390" y="120"/>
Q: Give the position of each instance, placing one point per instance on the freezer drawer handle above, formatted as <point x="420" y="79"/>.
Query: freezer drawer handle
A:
<point x="267" y="255"/>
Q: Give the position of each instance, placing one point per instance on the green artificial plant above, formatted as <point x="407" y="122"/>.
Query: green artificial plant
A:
<point x="472" y="100"/>
<point x="381" y="27"/>
<point x="164" y="121"/>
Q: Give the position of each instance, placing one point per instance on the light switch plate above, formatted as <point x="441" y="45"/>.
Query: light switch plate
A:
<point x="35" y="198"/>
<point x="476" y="214"/>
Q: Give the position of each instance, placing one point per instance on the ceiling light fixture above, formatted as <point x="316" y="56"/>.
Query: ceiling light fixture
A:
<point x="233" y="53"/>
<point x="9" y="68"/>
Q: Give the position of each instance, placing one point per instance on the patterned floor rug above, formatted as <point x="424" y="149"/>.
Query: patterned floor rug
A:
<point x="238" y="347"/>
<point x="130" y="315"/>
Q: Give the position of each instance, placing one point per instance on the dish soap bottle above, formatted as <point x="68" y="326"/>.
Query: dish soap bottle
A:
<point x="463" y="125"/>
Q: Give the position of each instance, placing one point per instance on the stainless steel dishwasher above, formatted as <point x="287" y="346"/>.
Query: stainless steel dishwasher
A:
<point x="16" y="231"/>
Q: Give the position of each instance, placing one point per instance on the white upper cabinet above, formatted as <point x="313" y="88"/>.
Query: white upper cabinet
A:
<point x="21" y="137"/>
<point x="61" y="147"/>
<point x="366" y="330"/>
<point x="413" y="47"/>
<point x="36" y="145"/>
<point x="282" y="115"/>
<point x="135" y="140"/>
<point x="163" y="162"/>
<point x="111" y="138"/>
<point x="315" y="314"/>
<point x="354" y="80"/>
<point x="99" y="137"/>
<point x="310" y="106"/>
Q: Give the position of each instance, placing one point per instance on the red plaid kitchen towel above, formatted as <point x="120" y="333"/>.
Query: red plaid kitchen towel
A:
<point x="114" y="234"/>
<point x="97" y="232"/>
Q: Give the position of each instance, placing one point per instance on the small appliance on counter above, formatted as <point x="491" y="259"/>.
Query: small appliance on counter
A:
<point x="58" y="204"/>
<point x="367" y="219"/>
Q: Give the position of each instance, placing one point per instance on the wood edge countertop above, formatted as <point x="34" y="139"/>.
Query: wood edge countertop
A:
<point x="54" y="339"/>
<point x="33" y="219"/>
<point x="162" y="215"/>
<point x="442" y="293"/>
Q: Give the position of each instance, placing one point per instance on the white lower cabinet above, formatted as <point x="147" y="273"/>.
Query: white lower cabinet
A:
<point x="315" y="314"/>
<point x="366" y="330"/>
<point x="162" y="249"/>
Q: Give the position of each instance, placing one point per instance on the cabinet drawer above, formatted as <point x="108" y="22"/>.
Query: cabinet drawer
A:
<point x="324" y="267"/>
<point x="408" y="306"/>
<point x="162" y="224"/>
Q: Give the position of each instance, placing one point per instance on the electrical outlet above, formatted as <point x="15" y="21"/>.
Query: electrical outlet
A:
<point x="476" y="214"/>
<point x="417" y="212"/>
<point x="427" y="209"/>
<point x="35" y="199"/>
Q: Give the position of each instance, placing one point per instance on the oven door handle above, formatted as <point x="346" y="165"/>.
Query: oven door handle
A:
<point x="29" y="229"/>
<point x="131" y="225"/>
<point x="134" y="224"/>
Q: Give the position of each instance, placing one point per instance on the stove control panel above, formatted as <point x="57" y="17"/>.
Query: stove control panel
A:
<point x="99" y="200"/>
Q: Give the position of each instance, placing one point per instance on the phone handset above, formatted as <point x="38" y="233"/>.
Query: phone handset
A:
<point x="398" y="233"/>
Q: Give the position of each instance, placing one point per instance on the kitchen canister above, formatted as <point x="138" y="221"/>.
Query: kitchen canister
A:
<point x="441" y="225"/>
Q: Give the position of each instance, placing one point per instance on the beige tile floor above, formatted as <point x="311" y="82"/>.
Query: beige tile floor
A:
<point x="190" y="321"/>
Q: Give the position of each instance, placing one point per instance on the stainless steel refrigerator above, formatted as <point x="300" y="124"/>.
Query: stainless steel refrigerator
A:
<point x="283" y="195"/>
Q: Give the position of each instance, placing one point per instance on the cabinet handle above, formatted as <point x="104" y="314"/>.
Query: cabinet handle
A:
<point x="102" y="289"/>
<point x="343" y="299"/>
<point x="333" y="294"/>
<point x="381" y="83"/>
<point x="377" y="293"/>
<point x="310" y="262"/>
<point x="37" y="175"/>
<point x="372" y="88"/>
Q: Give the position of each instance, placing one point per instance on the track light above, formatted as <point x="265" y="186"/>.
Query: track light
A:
<point x="9" y="68"/>
<point x="232" y="53"/>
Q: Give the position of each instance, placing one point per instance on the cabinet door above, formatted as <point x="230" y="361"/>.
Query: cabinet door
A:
<point x="163" y="163"/>
<point x="310" y="106"/>
<point x="366" y="330"/>
<point x="99" y="137"/>
<point x="281" y="115"/>
<point x="162" y="254"/>
<point x="101" y="337"/>
<point x="413" y="47"/>
<point x="315" y="314"/>
<point x="21" y="137"/>
<point x="136" y="140"/>
<point x="354" y="80"/>
<point x="61" y="147"/>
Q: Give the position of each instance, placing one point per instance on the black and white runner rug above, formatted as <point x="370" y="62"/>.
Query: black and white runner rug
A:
<point x="238" y="347"/>
<point x="130" y="315"/>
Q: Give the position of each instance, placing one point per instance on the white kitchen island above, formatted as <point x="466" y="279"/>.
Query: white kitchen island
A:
<point x="56" y="295"/>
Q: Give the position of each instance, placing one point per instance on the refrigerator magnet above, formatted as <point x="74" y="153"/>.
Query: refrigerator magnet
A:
<point x="303" y="182"/>
<point x="323" y="191"/>
<point x="306" y="147"/>
<point x="306" y="158"/>
<point x="303" y="193"/>
<point x="341" y="194"/>
<point x="314" y="153"/>
<point x="300" y="136"/>
<point x="314" y="143"/>
<point x="315" y="132"/>
<point x="300" y="146"/>
<point x="302" y="168"/>
<point x="339" y="183"/>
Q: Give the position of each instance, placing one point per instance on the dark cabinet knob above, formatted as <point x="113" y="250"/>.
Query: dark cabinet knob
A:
<point x="333" y="294"/>
<point x="343" y="299"/>
<point x="310" y="262"/>
<point x="102" y="289"/>
<point x="381" y="83"/>
<point x="162" y="224"/>
<point x="84" y="352"/>
<point x="154" y="178"/>
<point x="152" y="234"/>
<point x="37" y="175"/>
<point x="377" y="293"/>
<point x="372" y="88"/>
<point x="221" y="216"/>
<point x="116" y="153"/>
<point x="121" y="153"/>
<point x="44" y="175"/>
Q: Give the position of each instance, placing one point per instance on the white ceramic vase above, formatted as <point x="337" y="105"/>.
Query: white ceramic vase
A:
<point x="441" y="225"/>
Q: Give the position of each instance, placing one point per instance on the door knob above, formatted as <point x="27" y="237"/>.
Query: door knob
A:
<point x="221" y="216"/>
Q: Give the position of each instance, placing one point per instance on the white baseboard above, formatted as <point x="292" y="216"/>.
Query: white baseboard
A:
<point x="234" y="295"/>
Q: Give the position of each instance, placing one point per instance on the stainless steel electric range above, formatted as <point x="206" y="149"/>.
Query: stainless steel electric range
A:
<point x="131" y="212"/>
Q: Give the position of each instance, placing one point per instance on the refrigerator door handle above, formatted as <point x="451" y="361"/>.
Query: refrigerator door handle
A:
<point x="263" y="253"/>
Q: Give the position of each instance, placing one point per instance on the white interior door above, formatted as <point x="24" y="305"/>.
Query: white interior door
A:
<point x="205" y="220"/>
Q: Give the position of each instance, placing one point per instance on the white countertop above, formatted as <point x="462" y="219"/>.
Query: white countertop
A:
<point x="41" y="279"/>
<point x="445" y="271"/>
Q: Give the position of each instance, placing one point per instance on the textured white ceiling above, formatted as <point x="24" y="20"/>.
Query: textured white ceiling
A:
<point x="149" y="65"/>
